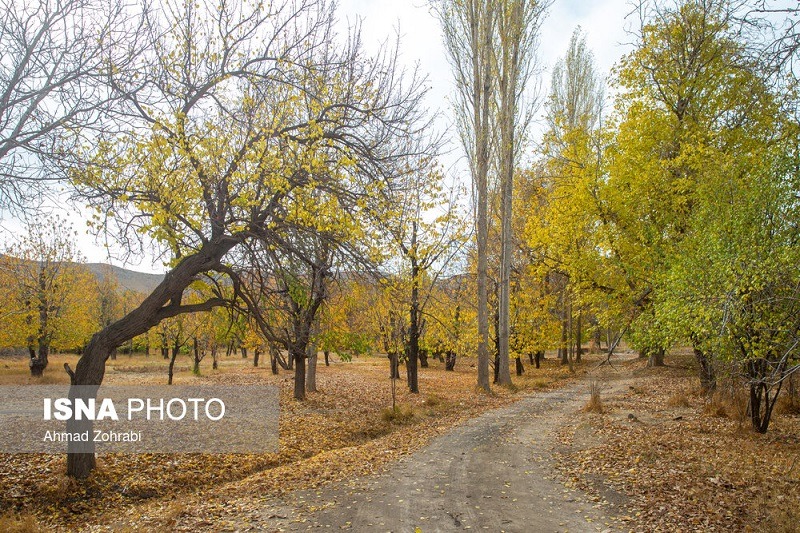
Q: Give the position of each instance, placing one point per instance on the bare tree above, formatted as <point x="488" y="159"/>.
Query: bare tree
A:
<point x="56" y="57"/>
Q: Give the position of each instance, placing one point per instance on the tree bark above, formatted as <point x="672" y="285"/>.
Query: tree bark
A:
<point x="520" y="368"/>
<point x="299" y="356"/>
<point x="311" y="371"/>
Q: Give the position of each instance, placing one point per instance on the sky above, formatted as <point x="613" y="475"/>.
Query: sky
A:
<point x="603" y="21"/>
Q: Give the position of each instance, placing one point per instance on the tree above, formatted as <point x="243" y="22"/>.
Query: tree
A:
<point x="49" y="295"/>
<point x="518" y="23"/>
<point x="234" y="115"/>
<point x="469" y="30"/>
<point x="562" y="235"/>
<point x="428" y="233"/>
<point x="56" y="55"/>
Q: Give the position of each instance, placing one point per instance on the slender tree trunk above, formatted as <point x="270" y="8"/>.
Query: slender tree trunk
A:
<point x="243" y="350"/>
<point x="196" y="352"/>
<point x="496" y="340"/>
<point x="562" y="349"/>
<point x="412" y="355"/>
<point x="482" y="34"/>
<point x="520" y="368"/>
<point x="214" y="358"/>
<point x="578" y="337"/>
<point x="327" y="357"/>
<point x="256" y="356"/>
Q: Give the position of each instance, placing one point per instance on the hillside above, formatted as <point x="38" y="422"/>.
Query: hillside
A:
<point x="127" y="279"/>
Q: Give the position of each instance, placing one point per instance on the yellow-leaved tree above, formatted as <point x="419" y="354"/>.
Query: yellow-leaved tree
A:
<point x="48" y="295"/>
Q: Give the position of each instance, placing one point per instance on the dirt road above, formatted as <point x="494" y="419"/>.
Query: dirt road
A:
<point x="494" y="473"/>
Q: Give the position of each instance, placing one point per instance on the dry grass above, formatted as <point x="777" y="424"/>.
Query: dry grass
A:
<point x="728" y="401"/>
<point x="595" y="403"/>
<point x="19" y="523"/>
<point x="400" y="414"/>
<point x="679" y="399"/>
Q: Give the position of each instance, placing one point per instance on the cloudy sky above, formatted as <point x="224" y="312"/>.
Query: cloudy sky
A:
<point x="604" y="22"/>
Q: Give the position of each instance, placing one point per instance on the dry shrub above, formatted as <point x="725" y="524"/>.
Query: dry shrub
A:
<point x="431" y="400"/>
<point x="595" y="404"/>
<point x="19" y="523"/>
<point x="727" y="402"/>
<point x="540" y="383"/>
<point x="789" y="401"/>
<point x="399" y="415"/>
<point x="679" y="399"/>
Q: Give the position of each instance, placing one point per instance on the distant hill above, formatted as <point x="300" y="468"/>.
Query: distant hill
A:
<point x="127" y="279"/>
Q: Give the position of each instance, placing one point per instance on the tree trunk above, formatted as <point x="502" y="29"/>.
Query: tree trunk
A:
<point x="656" y="357"/>
<point x="496" y="342"/>
<point x="520" y="368"/>
<point x="214" y="358"/>
<point x="39" y="361"/>
<point x="562" y="349"/>
<point x="299" y="356"/>
<point x="394" y="365"/>
<point x="327" y="357"/>
<point x="412" y="348"/>
<point x="196" y="351"/>
<point x="450" y="361"/>
<point x="243" y="349"/>
<point x="578" y="337"/>
<point x="311" y="371"/>
<point x="482" y="103"/>
<point x="423" y="358"/>
<point x="705" y="363"/>
<point x="538" y="356"/>
<point x="256" y="357"/>
<point x="170" y="371"/>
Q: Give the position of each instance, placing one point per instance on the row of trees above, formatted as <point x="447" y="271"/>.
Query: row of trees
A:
<point x="675" y="219"/>
<point x="269" y="159"/>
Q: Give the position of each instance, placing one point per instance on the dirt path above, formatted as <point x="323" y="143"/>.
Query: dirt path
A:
<point x="494" y="473"/>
